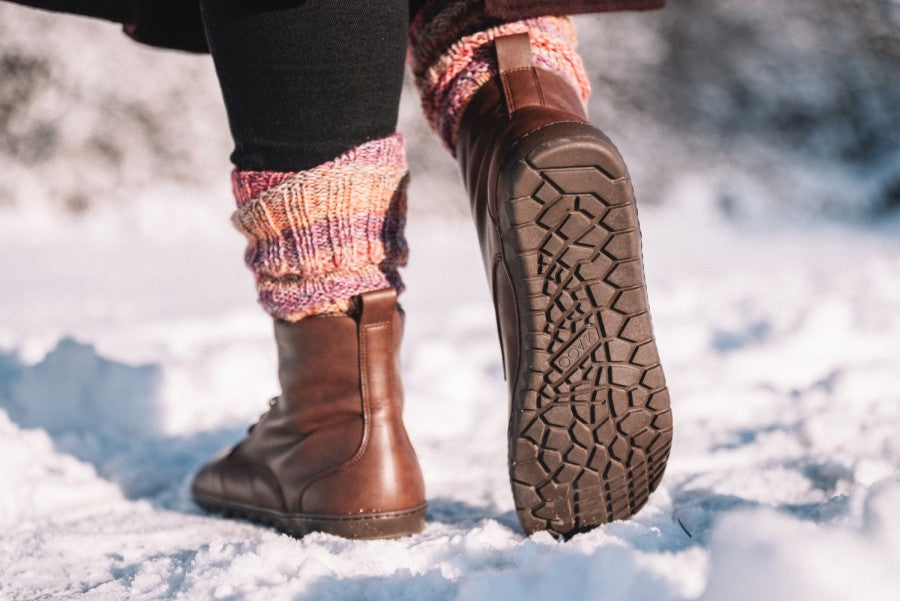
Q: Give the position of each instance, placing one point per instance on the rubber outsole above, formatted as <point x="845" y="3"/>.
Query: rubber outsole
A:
<point x="590" y="423"/>
<point x="388" y="524"/>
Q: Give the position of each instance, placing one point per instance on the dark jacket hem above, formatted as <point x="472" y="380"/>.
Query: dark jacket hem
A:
<point x="523" y="9"/>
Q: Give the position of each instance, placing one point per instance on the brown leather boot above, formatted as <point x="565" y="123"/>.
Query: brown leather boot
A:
<point x="590" y="426"/>
<point x="331" y="454"/>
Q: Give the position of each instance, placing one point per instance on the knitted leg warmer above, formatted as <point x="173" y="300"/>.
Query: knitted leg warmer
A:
<point x="318" y="238"/>
<point x="451" y="53"/>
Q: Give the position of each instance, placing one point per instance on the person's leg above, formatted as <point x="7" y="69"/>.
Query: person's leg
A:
<point x="312" y="91"/>
<point x="590" y="425"/>
<point x="306" y="80"/>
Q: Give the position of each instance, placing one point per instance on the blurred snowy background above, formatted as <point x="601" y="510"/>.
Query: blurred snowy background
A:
<point x="763" y="141"/>
<point x="788" y="107"/>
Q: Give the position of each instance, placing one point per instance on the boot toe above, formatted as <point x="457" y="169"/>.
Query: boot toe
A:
<point x="232" y="481"/>
<point x="207" y="483"/>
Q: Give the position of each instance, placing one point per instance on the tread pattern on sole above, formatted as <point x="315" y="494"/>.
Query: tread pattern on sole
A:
<point x="590" y="426"/>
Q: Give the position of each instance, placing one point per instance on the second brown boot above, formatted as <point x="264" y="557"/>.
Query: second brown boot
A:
<point x="590" y="426"/>
<point x="331" y="454"/>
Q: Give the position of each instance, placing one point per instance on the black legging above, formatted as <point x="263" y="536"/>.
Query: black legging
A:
<point x="306" y="80"/>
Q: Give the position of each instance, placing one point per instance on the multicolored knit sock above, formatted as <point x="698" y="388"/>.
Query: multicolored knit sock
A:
<point x="318" y="238"/>
<point x="451" y="53"/>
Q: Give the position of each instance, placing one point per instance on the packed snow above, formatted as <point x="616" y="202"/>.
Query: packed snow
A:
<point x="132" y="350"/>
<point x="131" y="347"/>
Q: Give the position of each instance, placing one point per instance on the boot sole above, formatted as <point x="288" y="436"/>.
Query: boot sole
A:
<point x="590" y="423"/>
<point x="388" y="524"/>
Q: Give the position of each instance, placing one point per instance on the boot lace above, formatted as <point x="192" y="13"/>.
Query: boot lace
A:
<point x="263" y="415"/>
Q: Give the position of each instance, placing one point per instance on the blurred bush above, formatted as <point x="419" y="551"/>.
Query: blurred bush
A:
<point x="87" y="116"/>
<point x="780" y="107"/>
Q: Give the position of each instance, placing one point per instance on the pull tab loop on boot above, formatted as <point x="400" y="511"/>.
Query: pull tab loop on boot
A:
<point x="378" y="306"/>
<point x="378" y="371"/>
<point x="518" y="77"/>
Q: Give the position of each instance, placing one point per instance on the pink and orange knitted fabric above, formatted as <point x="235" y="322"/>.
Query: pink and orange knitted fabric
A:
<point x="451" y="53"/>
<point x="318" y="238"/>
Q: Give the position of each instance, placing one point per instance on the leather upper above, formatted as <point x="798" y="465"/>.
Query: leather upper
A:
<point x="333" y="443"/>
<point x="520" y="100"/>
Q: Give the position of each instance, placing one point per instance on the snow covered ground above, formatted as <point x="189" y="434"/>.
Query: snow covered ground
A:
<point x="131" y="349"/>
